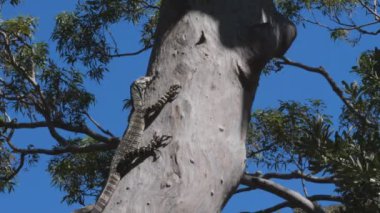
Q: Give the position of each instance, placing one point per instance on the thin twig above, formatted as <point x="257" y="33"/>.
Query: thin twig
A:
<point x="58" y="151"/>
<point x="375" y="6"/>
<point x="246" y="189"/>
<point x="69" y="149"/>
<point x="311" y="198"/>
<point x="377" y="17"/>
<point x="301" y="168"/>
<point x="333" y="84"/>
<point x="77" y="129"/>
<point x="291" y="196"/>
<point x="348" y="27"/>
<point x="132" y="53"/>
<point x="107" y="132"/>
<point x="263" y="149"/>
<point x="295" y="175"/>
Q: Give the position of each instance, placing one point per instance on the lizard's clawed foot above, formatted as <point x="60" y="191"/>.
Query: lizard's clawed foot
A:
<point x="158" y="141"/>
<point x="173" y="92"/>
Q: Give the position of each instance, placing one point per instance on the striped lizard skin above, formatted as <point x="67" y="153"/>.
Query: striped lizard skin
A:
<point x="129" y="149"/>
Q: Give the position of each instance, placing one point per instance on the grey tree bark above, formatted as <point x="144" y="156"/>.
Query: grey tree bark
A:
<point x="215" y="50"/>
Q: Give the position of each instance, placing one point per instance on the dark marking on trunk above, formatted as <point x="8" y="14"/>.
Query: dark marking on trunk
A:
<point x="244" y="80"/>
<point x="202" y="39"/>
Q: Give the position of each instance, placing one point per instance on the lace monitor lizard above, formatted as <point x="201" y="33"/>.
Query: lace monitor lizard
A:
<point x="129" y="149"/>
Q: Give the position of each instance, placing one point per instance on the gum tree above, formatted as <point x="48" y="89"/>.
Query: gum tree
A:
<point x="215" y="50"/>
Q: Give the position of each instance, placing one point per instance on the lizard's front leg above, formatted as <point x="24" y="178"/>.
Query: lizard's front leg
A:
<point x="169" y="96"/>
<point x="155" y="143"/>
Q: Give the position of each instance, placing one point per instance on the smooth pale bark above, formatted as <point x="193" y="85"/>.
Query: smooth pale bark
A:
<point x="215" y="50"/>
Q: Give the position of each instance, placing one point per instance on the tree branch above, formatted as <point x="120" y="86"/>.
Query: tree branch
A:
<point x="58" y="151"/>
<point x="246" y="189"/>
<point x="107" y="132"/>
<point x="262" y="149"/>
<point x="333" y="84"/>
<point x="295" y="175"/>
<point x="16" y="171"/>
<point x="347" y="27"/>
<point x="77" y="129"/>
<point x="132" y="53"/>
<point x="373" y="12"/>
<point x="291" y="196"/>
<point x="45" y="111"/>
<point x="299" y="175"/>
<point x="53" y="132"/>
<point x="311" y="198"/>
<point x="68" y="149"/>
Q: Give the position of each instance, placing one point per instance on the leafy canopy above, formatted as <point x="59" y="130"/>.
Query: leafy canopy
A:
<point x="41" y="93"/>
<point x="37" y="92"/>
<point x="302" y="136"/>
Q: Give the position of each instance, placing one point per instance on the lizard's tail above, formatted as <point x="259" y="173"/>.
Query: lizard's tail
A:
<point x="111" y="185"/>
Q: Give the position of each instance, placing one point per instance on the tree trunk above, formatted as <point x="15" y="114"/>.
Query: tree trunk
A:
<point x="215" y="50"/>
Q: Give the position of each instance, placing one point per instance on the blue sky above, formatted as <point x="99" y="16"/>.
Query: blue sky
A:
<point x="313" y="46"/>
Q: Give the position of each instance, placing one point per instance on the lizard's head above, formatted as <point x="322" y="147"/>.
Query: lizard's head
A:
<point x="141" y="84"/>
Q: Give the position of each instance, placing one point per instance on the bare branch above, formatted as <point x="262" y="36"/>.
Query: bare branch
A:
<point x="347" y="27"/>
<point x="69" y="149"/>
<point x="316" y="22"/>
<point x="58" y="151"/>
<point x="333" y="84"/>
<point x="132" y="53"/>
<point x="77" y="129"/>
<point x="246" y="189"/>
<point x="276" y="207"/>
<point x="295" y="175"/>
<point x="370" y="10"/>
<point x="107" y="132"/>
<point x="311" y="198"/>
<point x="369" y="32"/>
<point x="15" y="125"/>
<point x="375" y="5"/>
<point x="291" y="196"/>
<point x="53" y="132"/>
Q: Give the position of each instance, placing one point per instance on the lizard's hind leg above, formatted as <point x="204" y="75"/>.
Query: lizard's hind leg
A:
<point x="152" y="147"/>
<point x="156" y="143"/>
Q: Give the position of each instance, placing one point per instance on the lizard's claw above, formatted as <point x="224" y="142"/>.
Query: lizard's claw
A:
<point x="173" y="91"/>
<point x="157" y="141"/>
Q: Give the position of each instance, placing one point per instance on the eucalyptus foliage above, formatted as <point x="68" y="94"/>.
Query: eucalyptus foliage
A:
<point x="84" y="35"/>
<point x="80" y="175"/>
<point x="345" y="19"/>
<point x="302" y="136"/>
<point x="38" y="92"/>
